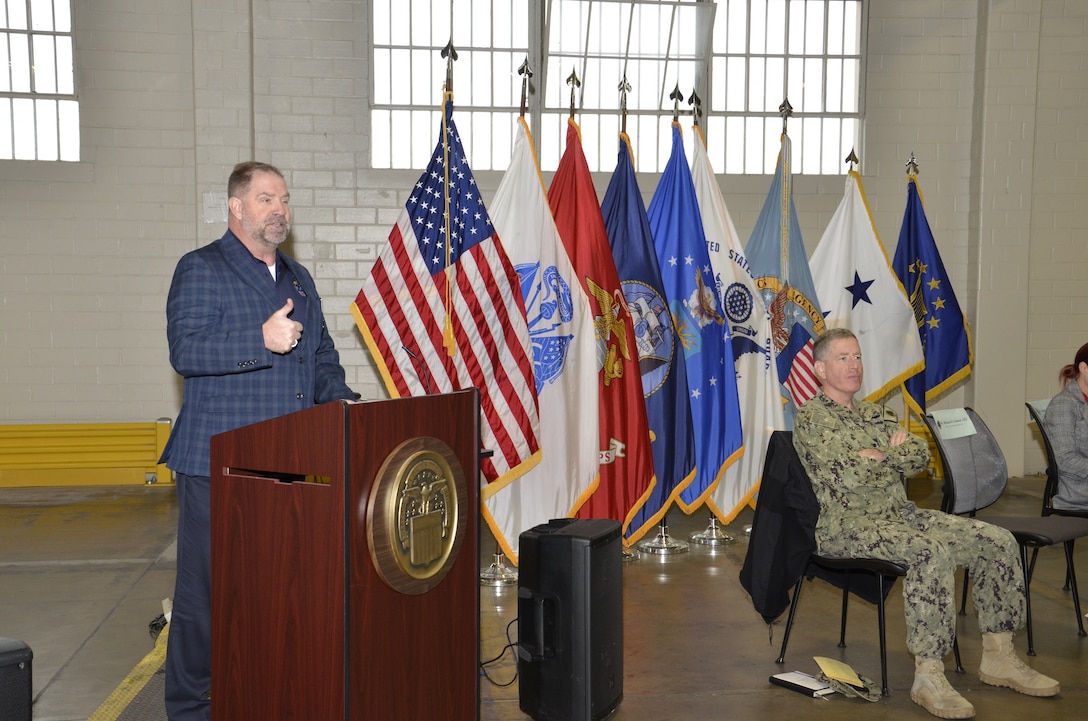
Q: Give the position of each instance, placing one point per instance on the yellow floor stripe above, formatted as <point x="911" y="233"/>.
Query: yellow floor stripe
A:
<point x="131" y="686"/>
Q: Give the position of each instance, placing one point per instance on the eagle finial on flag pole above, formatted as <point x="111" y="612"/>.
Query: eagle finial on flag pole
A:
<point x="785" y="110"/>
<point x="525" y="72"/>
<point x="573" y="83"/>
<point x="624" y="88"/>
<point x="912" y="165"/>
<point x="696" y="104"/>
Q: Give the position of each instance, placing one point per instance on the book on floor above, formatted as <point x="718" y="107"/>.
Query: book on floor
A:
<point x="802" y="683"/>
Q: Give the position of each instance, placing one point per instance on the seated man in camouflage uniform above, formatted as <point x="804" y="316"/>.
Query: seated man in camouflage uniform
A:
<point x="855" y="453"/>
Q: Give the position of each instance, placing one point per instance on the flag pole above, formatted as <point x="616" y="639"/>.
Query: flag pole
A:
<point x="696" y="104"/>
<point x="498" y="574"/>
<point x="663" y="544"/>
<point x="912" y="171"/>
<point x="573" y="83"/>
<point x="450" y="54"/>
<point x="713" y="535"/>
<point x="785" y="110"/>
<point x="629" y="553"/>
<point x="624" y="88"/>
<point x="525" y="72"/>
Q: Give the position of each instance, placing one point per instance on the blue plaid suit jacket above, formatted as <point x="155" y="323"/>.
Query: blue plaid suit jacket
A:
<point x="219" y="298"/>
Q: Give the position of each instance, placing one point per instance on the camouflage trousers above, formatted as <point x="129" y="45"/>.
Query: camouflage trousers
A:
<point x="932" y="544"/>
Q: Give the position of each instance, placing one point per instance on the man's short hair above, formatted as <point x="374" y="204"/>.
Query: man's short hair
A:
<point x="242" y="176"/>
<point x="820" y="347"/>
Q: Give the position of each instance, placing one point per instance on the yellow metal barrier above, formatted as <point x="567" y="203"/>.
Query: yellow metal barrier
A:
<point x="83" y="454"/>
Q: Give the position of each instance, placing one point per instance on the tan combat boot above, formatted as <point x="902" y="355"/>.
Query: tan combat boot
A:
<point x="1001" y="666"/>
<point x="932" y="691"/>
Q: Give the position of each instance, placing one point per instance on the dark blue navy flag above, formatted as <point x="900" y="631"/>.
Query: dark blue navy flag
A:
<point x="677" y="229"/>
<point x="661" y="360"/>
<point x="942" y="327"/>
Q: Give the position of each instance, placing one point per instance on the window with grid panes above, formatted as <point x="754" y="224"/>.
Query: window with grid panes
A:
<point x="39" y="112"/>
<point x="742" y="58"/>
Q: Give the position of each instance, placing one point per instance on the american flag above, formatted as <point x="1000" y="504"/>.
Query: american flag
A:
<point x="442" y="309"/>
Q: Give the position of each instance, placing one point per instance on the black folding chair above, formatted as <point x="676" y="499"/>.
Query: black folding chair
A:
<point x="786" y="487"/>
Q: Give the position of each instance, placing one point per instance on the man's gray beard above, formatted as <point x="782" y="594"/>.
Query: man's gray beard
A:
<point x="263" y="233"/>
<point x="265" y="236"/>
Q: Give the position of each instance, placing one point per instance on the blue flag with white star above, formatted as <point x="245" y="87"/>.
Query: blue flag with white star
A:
<point x="942" y="327"/>
<point x="690" y="287"/>
<point x="858" y="290"/>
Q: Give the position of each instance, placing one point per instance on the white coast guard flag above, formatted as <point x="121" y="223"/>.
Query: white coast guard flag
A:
<point x="859" y="290"/>
<point x="750" y="330"/>
<point x="564" y="358"/>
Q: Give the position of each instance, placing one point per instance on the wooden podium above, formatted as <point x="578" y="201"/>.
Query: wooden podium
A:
<point x="345" y="563"/>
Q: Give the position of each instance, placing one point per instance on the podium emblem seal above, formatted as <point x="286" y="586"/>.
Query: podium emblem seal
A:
<point x="416" y="515"/>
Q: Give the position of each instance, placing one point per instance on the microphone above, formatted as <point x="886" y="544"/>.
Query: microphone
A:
<point x="418" y="363"/>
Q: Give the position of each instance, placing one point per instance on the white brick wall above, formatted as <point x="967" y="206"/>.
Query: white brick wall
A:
<point x="86" y="245"/>
<point x="173" y="94"/>
<point x="1003" y="177"/>
<point x="1057" y="306"/>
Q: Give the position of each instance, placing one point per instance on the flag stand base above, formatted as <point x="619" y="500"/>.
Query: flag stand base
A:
<point x="663" y="544"/>
<point x="713" y="535"/>
<point x="629" y="554"/>
<point x="498" y="573"/>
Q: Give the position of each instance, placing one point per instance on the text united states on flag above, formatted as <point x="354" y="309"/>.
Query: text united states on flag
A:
<point x="422" y="287"/>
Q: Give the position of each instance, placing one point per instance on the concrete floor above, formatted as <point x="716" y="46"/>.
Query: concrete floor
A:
<point x="84" y="570"/>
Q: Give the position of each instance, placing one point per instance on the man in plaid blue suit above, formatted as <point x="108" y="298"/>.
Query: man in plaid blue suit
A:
<point x="247" y="333"/>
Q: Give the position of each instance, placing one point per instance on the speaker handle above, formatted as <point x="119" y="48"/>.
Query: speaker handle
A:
<point x="538" y="625"/>
<point x="541" y="608"/>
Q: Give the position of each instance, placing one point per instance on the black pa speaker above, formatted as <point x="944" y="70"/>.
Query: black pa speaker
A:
<point x="15" y="692"/>
<point x="570" y="620"/>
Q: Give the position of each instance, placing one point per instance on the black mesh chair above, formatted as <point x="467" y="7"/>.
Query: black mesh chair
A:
<point x="786" y="515"/>
<point x="1037" y="411"/>
<point x="975" y="476"/>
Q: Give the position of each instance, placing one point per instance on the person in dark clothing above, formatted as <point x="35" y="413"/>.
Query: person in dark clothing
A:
<point x="247" y="333"/>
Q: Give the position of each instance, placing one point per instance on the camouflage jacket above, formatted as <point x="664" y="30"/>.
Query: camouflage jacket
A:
<point x="854" y="491"/>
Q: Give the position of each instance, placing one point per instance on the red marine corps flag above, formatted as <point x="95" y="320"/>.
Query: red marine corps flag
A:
<point x="626" y="464"/>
